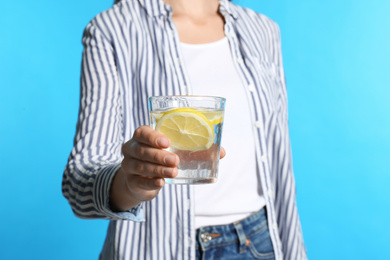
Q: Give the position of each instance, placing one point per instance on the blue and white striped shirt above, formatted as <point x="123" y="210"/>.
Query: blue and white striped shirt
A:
<point x="131" y="52"/>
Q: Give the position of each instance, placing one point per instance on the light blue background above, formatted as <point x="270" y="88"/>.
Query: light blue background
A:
<point x="337" y="63"/>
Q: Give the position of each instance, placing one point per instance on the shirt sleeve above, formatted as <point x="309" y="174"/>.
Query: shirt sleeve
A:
<point x="96" y="155"/>
<point x="290" y="231"/>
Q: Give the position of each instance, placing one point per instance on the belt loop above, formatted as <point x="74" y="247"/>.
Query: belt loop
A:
<point x="241" y="236"/>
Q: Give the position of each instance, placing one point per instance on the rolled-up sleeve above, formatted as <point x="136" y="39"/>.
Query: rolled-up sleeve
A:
<point x="96" y="155"/>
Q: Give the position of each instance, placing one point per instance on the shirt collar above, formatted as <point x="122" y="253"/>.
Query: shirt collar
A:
<point x="158" y="7"/>
<point x="226" y="8"/>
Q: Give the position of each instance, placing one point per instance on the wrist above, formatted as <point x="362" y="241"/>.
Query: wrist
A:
<point x="121" y="199"/>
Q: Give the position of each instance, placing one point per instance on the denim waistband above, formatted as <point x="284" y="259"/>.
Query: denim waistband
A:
<point x="211" y="236"/>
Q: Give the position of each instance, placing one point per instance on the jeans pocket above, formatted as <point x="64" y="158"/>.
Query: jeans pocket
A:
<point x="260" y="244"/>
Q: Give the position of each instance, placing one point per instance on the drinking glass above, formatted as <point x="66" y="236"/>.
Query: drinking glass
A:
<point x="194" y="126"/>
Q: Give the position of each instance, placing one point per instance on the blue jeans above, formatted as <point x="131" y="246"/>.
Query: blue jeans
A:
<point x="245" y="239"/>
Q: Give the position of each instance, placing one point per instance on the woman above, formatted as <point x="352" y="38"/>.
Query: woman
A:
<point x="142" y="48"/>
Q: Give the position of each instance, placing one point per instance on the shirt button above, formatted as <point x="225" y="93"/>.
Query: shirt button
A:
<point x="269" y="192"/>
<point x="274" y="225"/>
<point x="251" y="87"/>
<point x="258" y="124"/>
<point x="240" y="61"/>
<point x="263" y="158"/>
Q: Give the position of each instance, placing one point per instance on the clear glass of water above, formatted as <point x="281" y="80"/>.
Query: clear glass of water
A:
<point x="194" y="126"/>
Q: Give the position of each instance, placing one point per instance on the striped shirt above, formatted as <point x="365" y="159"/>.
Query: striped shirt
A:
<point x="131" y="52"/>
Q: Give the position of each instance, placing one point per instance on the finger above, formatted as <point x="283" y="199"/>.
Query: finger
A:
<point x="147" y="169"/>
<point x="149" y="154"/>
<point x="222" y="153"/>
<point x="145" y="188"/>
<point x="147" y="135"/>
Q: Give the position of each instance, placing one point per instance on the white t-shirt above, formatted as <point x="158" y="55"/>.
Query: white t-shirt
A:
<point x="237" y="193"/>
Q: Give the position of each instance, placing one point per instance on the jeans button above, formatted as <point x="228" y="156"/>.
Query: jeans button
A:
<point x="205" y="237"/>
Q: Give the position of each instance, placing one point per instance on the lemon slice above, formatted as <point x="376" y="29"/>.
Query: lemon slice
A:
<point x="215" y="118"/>
<point x="187" y="129"/>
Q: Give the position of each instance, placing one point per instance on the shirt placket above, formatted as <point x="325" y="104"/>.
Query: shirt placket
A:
<point x="258" y="127"/>
<point x="177" y="59"/>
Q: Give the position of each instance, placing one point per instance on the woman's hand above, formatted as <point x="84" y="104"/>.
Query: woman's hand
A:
<point x="143" y="169"/>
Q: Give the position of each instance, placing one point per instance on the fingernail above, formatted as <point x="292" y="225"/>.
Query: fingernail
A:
<point x="163" y="142"/>
<point x="170" y="159"/>
<point x="167" y="172"/>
